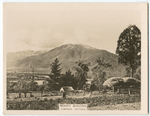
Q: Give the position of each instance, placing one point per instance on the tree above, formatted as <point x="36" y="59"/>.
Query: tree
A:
<point x="68" y="79"/>
<point x="129" y="48"/>
<point x="138" y="74"/>
<point x="32" y="86"/>
<point x="55" y="69"/>
<point x="99" y="73"/>
<point x="10" y="87"/>
<point x="32" y="71"/>
<point x="54" y="77"/>
<point x="52" y="84"/>
<point x="128" y="72"/>
<point x="81" y="73"/>
<point x="22" y="86"/>
<point x="41" y="89"/>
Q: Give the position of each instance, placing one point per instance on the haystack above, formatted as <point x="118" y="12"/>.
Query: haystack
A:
<point x="125" y="81"/>
<point x="112" y="81"/>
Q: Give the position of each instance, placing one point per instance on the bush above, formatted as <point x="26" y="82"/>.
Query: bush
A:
<point x="38" y="99"/>
<point x="45" y="99"/>
<point x="32" y="95"/>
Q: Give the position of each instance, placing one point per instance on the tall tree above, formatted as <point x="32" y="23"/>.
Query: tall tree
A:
<point x="81" y="73"/>
<point x="99" y="73"/>
<point x="129" y="48"/>
<point x="55" y="69"/>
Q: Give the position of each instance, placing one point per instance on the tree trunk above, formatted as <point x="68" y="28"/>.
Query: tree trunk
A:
<point x="41" y="93"/>
<point x="7" y="95"/>
<point x="91" y="94"/>
<point x="30" y="94"/>
<point x="25" y="95"/>
<point x="129" y="91"/>
<point x="19" y="95"/>
<point x="99" y="90"/>
<point x="132" y="70"/>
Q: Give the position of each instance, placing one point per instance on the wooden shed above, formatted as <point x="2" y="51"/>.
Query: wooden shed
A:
<point x="66" y="89"/>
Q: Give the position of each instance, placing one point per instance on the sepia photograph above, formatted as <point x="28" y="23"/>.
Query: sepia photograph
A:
<point x="60" y="58"/>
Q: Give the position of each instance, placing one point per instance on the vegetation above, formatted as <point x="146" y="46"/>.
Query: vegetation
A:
<point x="55" y="69"/>
<point x="69" y="79"/>
<point x="129" y="48"/>
<point x="81" y="73"/>
<point x="129" y="54"/>
<point x="53" y="104"/>
<point x="21" y="86"/>
<point x="41" y="89"/>
<point x="99" y="74"/>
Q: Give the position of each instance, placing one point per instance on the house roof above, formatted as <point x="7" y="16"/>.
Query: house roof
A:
<point x="66" y="88"/>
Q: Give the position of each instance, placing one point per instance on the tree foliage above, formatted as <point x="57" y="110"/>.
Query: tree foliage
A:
<point x="99" y="73"/>
<point x="129" y="48"/>
<point x="81" y="73"/>
<point x="55" y="69"/>
<point x="22" y="86"/>
<point x="68" y="79"/>
<point x="128" y="72"/>
<point x="54" y="80"/>
<point x="41" y="89"/>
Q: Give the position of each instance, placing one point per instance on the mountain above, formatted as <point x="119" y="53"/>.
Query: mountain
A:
<point x="68" y="55"/>
<point x="14" y="56"/>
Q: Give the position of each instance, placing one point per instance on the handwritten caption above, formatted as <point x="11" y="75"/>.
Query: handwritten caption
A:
<point x="72" y="106"/>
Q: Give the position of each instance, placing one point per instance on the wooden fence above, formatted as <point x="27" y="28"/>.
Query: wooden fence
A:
<point x="127" y="90"/>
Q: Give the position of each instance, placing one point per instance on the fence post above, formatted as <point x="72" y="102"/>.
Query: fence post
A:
<point x="129" y="91"/>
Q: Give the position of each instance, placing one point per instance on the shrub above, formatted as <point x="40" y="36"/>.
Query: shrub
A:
<point x="38" y="99"/>
<point x="32" y="95"/>
<point x="45" y="99"/>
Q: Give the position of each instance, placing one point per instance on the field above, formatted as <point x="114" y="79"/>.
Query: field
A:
<point x="94" y="102"/>
<point x="126" y="106"/>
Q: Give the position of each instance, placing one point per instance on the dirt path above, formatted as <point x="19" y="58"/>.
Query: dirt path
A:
<point x="127" y="106"/>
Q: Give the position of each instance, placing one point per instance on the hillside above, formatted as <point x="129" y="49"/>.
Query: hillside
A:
<point x="68" y="54"/>
<point x="11" y="56"/>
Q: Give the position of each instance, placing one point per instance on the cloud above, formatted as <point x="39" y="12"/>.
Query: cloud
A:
<point x="44" y="38"/>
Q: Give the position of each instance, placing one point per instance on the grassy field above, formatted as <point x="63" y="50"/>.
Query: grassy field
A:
<point x="126" y="106"/>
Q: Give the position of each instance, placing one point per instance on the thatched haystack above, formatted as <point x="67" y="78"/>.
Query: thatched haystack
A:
<point x="112" y="81"/>
<point x="125" y="81"/>
<point x="126" y="85"/>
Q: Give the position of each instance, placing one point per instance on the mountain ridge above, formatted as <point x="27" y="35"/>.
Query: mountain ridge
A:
<point x="67" y="54"/>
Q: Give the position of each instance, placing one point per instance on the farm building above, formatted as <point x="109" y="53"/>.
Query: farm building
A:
<point x="66" y="89"/>
<point x="126" y="85"/>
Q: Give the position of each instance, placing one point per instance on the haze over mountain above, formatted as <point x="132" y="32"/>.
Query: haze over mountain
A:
<point x="68" y="55"/>
<point x="13" y="56"/>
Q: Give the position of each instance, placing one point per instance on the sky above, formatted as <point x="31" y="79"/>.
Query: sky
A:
<point x="46" y="26"/>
